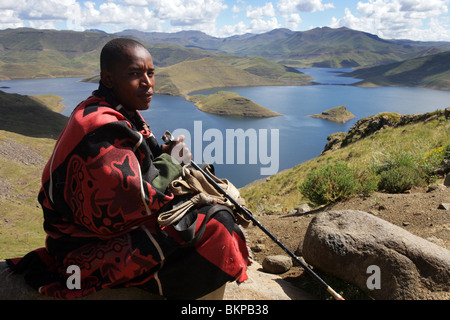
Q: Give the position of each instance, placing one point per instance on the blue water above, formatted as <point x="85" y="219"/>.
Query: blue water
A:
<point x="299" y="139"/>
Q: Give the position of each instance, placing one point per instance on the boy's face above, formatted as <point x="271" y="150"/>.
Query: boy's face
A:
<point x="132" y="79"/>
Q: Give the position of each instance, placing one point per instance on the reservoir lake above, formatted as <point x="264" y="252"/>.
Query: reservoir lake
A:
<point x="275" y="144"/>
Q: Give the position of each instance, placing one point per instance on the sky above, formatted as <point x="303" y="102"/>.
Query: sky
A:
<point x="420" y="20"/>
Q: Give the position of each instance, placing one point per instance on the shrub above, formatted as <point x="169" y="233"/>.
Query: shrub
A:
<point x="330" y="183"/>
<point x="399" y="173"/>
<point x="397" y="180"/>
<point x="433" y="159"/>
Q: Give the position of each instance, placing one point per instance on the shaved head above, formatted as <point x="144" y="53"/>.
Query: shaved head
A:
<point x="115" y="51"/>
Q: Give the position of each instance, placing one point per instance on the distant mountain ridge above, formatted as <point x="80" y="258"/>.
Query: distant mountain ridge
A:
<point x="32" y="53"/>
<point x="319" y="47"/>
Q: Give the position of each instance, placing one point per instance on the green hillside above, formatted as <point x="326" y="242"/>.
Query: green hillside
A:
<point x="418" y="145"/>
<point x="31" y="116"/>
<point x="30" y="53"/>
<point x="429" y="72"/>
<point x="27" y="137"/>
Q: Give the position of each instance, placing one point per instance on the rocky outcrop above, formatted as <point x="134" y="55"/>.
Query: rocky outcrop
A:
<point x="338" y="114"/>
<point x="370" y="125"/>
<point x="384" y="260"/>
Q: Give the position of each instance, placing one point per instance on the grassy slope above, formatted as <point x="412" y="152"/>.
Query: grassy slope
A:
<point x="418" y="139"/>
<point x="29" y="53"/>
<point x="23" y="155"/>
<point x="230" y="104"/>
<point x="430" y="72"/>
<point x="20" y="213"/>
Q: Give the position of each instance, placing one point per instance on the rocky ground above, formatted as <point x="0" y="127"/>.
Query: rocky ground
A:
<point x="416" y="211"/>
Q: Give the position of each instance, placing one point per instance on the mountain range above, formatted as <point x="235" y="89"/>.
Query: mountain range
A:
<point x="31" y="53"/>
<point x="319" y="47"/>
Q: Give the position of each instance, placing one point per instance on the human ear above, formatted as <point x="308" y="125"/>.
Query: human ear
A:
<point x="106" y="77"/>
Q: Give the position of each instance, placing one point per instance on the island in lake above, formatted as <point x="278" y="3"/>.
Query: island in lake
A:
<point x="230" y="104"/>
<point x="338" y="114"/>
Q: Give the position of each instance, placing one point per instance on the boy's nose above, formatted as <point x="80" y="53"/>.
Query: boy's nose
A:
<point x="146" y="80"/>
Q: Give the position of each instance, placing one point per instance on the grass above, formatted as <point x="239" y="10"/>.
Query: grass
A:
<point x="26" y="142"/>
<point x="20" y="213"/>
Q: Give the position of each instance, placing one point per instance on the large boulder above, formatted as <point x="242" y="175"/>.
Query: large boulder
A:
<point x="382" y="259"/>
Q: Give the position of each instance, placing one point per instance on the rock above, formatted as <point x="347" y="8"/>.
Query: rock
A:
<point x="447" y="180"/>
<point x="352" y="245"/>
<point x="258" y="247"/>
<point x="304" y="208"/>
<point x="434" y="117"/>
<point x="444" y="206"/>
<point x="264" y="286"/>
<point x="334" y="141"/>
<point x="259" y="286"/>
<point x="277" y="264"/>
<point x="436" y="187"/>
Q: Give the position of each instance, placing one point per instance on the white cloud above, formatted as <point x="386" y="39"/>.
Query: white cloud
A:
<point x="408" y="19"/>
<point x="292" y="20"/>
<point x="261" y="25"/>
<point x="146" y="15"/>
<point x="289" y="6"/>
<point x="262" y="19"/>
<point x="236" y="9"/>
<point x="47" y="9"/>
<point x="261" y="12"/>
<point x="189" y="13"/>
<point x="230" y="30"/>
<point x="8" y="19"/>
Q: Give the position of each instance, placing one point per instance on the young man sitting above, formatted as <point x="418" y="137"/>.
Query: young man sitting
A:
<point x="102" y="190"/>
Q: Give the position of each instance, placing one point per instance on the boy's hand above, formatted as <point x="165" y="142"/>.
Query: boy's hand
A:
<point x="178" y="150"/>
